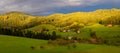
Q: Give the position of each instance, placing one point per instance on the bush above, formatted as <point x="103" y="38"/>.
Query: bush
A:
<point x="111" y="41"/>
<point x="58" y="42"/>
<point x="32" y="47"/>
<point x="42" y="47"/>
<point x="74" y="45"/>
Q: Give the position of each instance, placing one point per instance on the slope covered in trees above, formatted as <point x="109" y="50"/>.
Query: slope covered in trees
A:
<point x="71" y="20"/>
<point x="14" y="19"/>
<point x="85" y="18"/>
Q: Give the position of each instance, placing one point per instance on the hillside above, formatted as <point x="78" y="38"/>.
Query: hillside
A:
<point x="15" y="19"/>
<point x="70" y="20"/>
<point x="10" y="44"/>
<point x="84" y="18"/>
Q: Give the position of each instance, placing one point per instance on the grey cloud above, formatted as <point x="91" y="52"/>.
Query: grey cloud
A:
<point x="44" y="6"/>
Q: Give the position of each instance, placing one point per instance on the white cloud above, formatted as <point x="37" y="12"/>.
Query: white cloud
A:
<point x="43" y="6"/>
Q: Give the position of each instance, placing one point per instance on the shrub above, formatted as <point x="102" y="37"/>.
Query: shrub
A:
<point x="42" y="47"/>
<point x="58" y="42"/>
<point x="32" y="47"/>
<point x="74" y="45"/>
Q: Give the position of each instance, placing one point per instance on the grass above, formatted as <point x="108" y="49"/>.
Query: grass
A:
<point x="105" y="31"/>
<point x="105" y="49"/>
<point x="47" y="26"/>
<point x="101" y="31"/>
<point x="10" y="44"/>
<point x="53" y="28"/>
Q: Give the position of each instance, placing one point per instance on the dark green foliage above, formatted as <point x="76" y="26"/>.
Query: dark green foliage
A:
<point x="32" y="47"/>
<point x="54" y="35"/>
<point x="100" y="22"/>
<point x="111" y="41"/>
<point x="92" y="34"/>
<point x="28" y="34"/>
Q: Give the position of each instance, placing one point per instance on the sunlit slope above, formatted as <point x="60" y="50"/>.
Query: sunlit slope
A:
<point x="70" y="20"/>
<point x="84" y="18"/>
<point x="15" y="19"/>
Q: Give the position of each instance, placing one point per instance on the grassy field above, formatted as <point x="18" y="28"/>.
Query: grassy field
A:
<point x="10" y="44"/>
<point x="101" y="31"/>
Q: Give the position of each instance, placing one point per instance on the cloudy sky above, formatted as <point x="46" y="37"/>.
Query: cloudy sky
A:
<point x="46" y="7"/>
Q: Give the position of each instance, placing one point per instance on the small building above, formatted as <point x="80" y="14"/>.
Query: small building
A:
<point x="78" y="31"/>
<point x="109" y="25"/>
<point x="70" y="37"/>
<point x="75" y="41"/>
<point x="94" y="40"/>
<point x="68" y="30"/>
<point x="39" y="30"/>
<point x="63" y="30"/>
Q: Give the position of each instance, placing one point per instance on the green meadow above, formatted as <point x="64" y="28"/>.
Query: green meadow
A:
<point x="11" y="44"/>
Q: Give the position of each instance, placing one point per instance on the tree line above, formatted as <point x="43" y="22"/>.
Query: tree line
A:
<point x="29" y="34"/>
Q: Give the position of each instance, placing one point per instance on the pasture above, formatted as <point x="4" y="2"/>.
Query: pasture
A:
<point x="100" y="30"/>
<point x="11" y="44"/>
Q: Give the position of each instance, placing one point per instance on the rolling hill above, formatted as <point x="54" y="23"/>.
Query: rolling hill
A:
<point x="70" y="20"/>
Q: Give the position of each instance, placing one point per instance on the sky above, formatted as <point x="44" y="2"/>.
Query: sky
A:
<point x="47" y="7"/>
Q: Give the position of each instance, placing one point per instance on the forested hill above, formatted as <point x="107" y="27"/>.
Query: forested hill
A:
<point x="70" y="20"/>
<point x="15" y="19"/>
